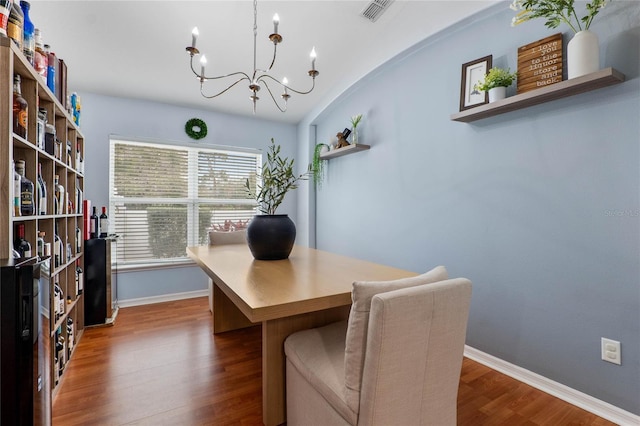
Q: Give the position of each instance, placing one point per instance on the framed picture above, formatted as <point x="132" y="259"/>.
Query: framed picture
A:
<point x="472" y="73"/>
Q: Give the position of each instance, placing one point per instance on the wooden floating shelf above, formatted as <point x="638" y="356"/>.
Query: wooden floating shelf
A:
<point x="586" y="83"/>
<point x="349" y="149"/>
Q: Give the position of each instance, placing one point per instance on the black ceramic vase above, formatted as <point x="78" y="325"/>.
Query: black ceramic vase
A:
<point x="271" y="237"/>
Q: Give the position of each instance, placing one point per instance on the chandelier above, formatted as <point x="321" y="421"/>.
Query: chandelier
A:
<point x="258" y="77"/>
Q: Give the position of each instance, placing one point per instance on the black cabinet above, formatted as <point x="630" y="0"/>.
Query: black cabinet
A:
<point x="100" y="289"/>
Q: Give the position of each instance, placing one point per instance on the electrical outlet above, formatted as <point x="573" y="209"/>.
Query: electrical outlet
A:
<point x="611" y="351"/>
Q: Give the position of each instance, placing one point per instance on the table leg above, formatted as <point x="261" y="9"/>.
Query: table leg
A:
<point x="226" y="315"/>
<point x="274" y="333"/>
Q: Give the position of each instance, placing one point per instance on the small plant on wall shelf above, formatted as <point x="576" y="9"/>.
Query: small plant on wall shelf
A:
<point x="496" y="77"/>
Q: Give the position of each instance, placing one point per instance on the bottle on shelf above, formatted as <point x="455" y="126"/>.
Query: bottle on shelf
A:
<point x="59" y="196"/>
<point x="79" y="277"/>
<point x="49" y="138"/>
<point x="28" y="29"/>
<point x="41" y="127"/>
<point x="70" y="334"/>
<point x="27" y="207"/>
<point x="78" y="240"/>
<point x="15" y="25"/>
<point x="16" y="191"/>
<point x="57" y="296"/>
<point x="41" y="235"/>
<point x="95" y="224"/>
<point x="40" y="58"/>
<point x="20" y="109"/>
<point x="51" y="69"/>
<point x="22" y="246"/>
<point x="42" y="198"/>
<point x="104" y="223"/>
<point x="78" y="159"/>
<point x="5" y="10"/>
<point x="58" y="248"/>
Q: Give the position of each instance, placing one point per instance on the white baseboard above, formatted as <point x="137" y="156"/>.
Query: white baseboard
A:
<point x="572" y="396"/>
<point x="162" y="298"/>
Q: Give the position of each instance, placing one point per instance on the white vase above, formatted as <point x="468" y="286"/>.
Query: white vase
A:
<point x="497" y="93"/>
<point x="583" y="54"/>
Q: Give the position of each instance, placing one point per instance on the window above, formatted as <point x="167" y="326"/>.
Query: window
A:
<point x="163" y="198"/>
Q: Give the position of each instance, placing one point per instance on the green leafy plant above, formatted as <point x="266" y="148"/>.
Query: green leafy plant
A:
<point x="278" y="178"/>
<point x="317" y="165"/>
<point x="556" y="12"/>
<point x="496" y="77"/>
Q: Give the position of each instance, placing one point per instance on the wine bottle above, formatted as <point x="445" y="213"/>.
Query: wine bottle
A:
<point x="78" y="240"/>
<point x="59" y="193"/>
<point x="16" y="192"/>
<point x="28" y="41"/>
<point x="42" y="199"/>
<point x="40" y="243"/>
<point x="27" y="207"/>
<point x="57" y="248"/>
<point x="20" y="109"/>
<point x="95" y="220"/>
<point x="57" y="295"/>
<point x="22" y="246"/>
<point x="79" y="277"/>
<point x="104" y="223"/>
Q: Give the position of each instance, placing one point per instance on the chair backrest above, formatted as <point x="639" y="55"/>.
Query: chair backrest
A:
<point x="220" y="238"/>
<point x="413" y="358"/>
<point x="356" y="340"/>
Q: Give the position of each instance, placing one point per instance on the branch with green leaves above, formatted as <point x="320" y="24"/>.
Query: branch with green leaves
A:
<point x="556" y="12"/>
<point x="277" y="178"/>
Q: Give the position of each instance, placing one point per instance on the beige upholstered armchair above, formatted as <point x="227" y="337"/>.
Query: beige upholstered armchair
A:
<point x="396" y="361"/>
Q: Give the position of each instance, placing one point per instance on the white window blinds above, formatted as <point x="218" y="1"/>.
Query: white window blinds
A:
<point x="164" y="198"/>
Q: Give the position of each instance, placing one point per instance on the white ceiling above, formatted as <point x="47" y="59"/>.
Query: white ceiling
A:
<point x="136" y="49"/>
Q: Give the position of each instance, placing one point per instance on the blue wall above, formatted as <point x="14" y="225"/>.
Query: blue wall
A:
<point x="540" y="208"/>
<point x="104" y="115"/>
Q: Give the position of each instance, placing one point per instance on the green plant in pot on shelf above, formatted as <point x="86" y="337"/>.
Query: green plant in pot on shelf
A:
<point x="583" y="50"/>
<point x="355" y="120"/>
<point x="496" y="82"/>
<point x="271" y="236"/>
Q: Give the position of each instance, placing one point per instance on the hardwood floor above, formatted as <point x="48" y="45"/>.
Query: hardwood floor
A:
<point x="161" y="365"/>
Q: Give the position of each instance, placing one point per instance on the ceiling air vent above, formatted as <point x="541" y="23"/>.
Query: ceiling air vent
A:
<point x="376" y="8"/>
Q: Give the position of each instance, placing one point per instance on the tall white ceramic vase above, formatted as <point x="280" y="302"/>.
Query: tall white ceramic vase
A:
<point x="583" y="54"/>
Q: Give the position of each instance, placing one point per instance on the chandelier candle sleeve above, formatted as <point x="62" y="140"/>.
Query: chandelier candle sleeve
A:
<point x="194" y="37"/>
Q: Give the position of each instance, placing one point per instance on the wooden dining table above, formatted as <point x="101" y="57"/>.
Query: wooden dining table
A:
<point x="309" y="289"/>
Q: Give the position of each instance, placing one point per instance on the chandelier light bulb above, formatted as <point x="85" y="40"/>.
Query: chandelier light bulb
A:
<point x="313" y="56"/>
<point x="276" y="21"/>
<point x="203" y="63"/>
<point x="284" y="83"/>
<point x="194" y="36"/>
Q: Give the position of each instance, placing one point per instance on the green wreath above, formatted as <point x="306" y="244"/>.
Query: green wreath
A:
<point x="196" y="128"/>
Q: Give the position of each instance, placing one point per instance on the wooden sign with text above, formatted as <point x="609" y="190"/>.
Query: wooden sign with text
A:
<point x="540" y="63"/>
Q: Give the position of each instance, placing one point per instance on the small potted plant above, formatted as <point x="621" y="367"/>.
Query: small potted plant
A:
<point x="583" y="50"/>
<point x="496" y="82"/>
<point x="271" y="236"/>
<point x="355" y="120"/>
